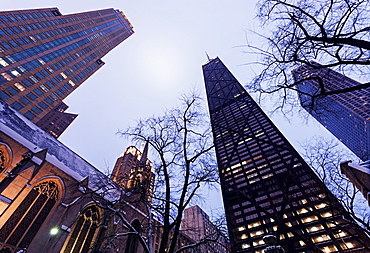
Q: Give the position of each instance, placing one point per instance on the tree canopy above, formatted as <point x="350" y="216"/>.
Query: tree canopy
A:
<point x="333" y="33"/>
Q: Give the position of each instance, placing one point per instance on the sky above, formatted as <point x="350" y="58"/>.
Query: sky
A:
<point x="147" y="73"/>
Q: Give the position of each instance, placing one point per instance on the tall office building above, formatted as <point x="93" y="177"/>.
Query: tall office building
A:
<point x="44" y="55"/>
<point x="267" y="187"/>
<point x="346" y="115"/>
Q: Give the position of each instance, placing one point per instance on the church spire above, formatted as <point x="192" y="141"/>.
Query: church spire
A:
<point x="144" y="155"/>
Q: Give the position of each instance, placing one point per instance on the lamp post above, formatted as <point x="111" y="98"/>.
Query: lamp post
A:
<point x="53" y="231"/>
<point x="271" y="240"/>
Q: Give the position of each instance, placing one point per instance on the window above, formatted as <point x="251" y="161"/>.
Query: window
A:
<point x="31" y="96"/>
<point x="38" y="92"/>
<point x="132" y="240"/>
<point x="17" y="105"/>
<point x="24" y="100"/>
<point x="36" y="110"/>
<point x="12" y="91"/>
<point x="22" y="226"/>
<point x="30" y="115"/>
<point x="4" y="96"/>
<point x="49" y="101"/>
<point x="82" y="235"/>
<point x="43" y="105"/>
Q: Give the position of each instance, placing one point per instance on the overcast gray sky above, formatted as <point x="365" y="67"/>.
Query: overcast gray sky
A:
<point x="147" y="72"/>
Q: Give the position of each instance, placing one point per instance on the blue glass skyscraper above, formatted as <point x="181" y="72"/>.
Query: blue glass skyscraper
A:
<point x="44" y="55"/>
<point x="345" y="115"/>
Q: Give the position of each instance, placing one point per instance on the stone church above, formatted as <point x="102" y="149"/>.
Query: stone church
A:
<point x="52" y="200"/>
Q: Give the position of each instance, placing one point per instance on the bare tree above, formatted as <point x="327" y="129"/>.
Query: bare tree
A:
<point x="184" y="162"/>
<point x="325" y="156"/>
<point x="333" y="33"/>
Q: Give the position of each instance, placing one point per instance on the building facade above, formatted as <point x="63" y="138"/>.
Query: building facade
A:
<point x="345" y="115"/>
<point x="44" y="55"/>
<point x="267" y="187"/>
<point x="197" y="225"/>
<point x="359" y="175"/>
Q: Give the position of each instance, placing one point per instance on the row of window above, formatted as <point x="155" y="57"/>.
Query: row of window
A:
<point x="24" y="16"/>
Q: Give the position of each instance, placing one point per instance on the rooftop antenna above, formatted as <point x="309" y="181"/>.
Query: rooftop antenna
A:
<point x="209" y="59"/>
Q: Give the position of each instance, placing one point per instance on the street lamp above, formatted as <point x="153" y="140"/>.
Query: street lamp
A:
<point x="271" y="240"/>
<point x="54" y="231"/>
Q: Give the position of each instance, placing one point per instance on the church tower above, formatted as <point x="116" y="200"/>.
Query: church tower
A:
<point x="134" y="172"/>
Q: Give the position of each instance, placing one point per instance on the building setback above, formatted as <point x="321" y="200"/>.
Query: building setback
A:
<point x="57" y="120"/>
<point x="267" y="187"/>
<point x="346" y="115"/>
<point x="44" y="55"/>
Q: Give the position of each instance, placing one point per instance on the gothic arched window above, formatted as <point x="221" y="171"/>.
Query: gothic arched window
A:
<point x="133" y="240"/>
<point x="82" y="237"/>
<point x="5" y="156"/>
<point x="22" y="226"/>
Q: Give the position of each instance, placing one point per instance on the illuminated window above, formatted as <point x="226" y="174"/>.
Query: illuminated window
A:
<point x="3" y="62"/>
<point x="257" y="233"/>
<point x="289" y="224"/>
<point x="63" y="75"/>
<point x="302" y="211"/>
<point x="244" y="236"/>
<point x="241" y="228"/>
<point x="33" y="79"/>
<point x="327" y="214"/>
<point x="330" y="249"/>
<point x="19" y="86"/>
<point x="82" y="236"/>
<point x="330" y="224"/>
<point x="253" y="225"/>
<point x="260" y="242"/>
<point x="347" y="245"/>
<point x="245" y="246"/>
<point x="15" y="73"/>
<point x="7" y="76"/>
<point x="320" y="206"/>
<point x="71" y="83"/>
<point x="315" y="228"/>
<point x="340" y="233"/>
<point x="303" y="201"/>
<point x="309" y="219"/>
<point x="22" y="226"/>
<point x="321" y="238"/>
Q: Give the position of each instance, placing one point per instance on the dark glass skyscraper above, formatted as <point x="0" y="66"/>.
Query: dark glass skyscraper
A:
<point x="44" y="55"/>
<point x="267" y="187"/>
<point x="346" y="115"/>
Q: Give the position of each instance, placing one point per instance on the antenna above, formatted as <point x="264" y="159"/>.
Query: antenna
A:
<point x="209" y="59"/>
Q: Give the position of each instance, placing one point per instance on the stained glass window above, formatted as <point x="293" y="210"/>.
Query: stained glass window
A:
<point x="22" y="226"/>
<point x="82" y="236"/>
